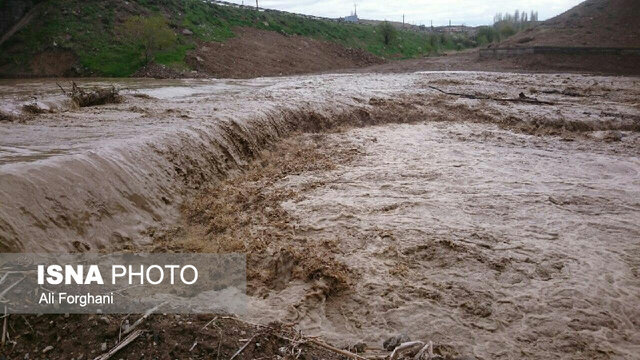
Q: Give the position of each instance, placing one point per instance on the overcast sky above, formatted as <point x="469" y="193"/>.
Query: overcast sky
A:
<point x="468" y="12"/>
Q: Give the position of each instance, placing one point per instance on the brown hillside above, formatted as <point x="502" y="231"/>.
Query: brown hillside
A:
<point x="593" y="23"/>
<point x="255" y="52"/>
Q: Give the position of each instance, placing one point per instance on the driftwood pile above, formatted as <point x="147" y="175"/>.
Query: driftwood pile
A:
<point x="34" y="107"/>
<point x="99" y="96"/>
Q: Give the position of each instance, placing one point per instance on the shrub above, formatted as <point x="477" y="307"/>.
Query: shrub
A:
<point x="388" y="32"/>
<point x="487" y="34"/>
<point x="148" y="34"/>
<point x="507" y="31"/>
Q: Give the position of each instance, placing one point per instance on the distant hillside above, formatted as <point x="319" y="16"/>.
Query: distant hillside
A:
<point x="79" y="38"/>
<point x="453" y="29"/>
<point x="593" y="23"/>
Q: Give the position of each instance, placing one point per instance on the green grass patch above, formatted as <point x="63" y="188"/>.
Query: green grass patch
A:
<point x="90" y="30"/>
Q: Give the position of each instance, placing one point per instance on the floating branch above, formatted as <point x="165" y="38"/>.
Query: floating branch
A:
<point x="521" y="98"/>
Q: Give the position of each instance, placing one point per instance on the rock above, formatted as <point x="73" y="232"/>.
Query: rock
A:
<point x="103" y="346"/>
<point x="359" y="347"/>
<point x="525" y="40"/>
<point x="613" y="136"/>
<point x="395" y="341"/>
<point x="187" y="32"/>
<point x="36" y="107"/>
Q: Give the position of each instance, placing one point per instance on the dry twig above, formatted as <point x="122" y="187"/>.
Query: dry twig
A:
<point x="405" y="347"/>
<point x="209" y="323"/>
<point x="243" y="347"/>
<point x="128" y="340"/>
<point x="4" y="326"/>
<point x="428" y="348"/>
<point x="139" y="321"/>
<point x="62" y="89"/>
<point x="346" y="353"/>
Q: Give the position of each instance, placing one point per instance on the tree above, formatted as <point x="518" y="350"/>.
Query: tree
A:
<point x="388" y="32"/>
<point x="507" y="31"/>
<point x="487" y="34"/>
<point x="534" y="16"/>
<point x="149" y="34"/>
<point x="434" y="42"/>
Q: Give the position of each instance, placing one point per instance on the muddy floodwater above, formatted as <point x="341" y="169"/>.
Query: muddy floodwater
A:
<point x="495" y="227"/>
<point x="501" y="245"/>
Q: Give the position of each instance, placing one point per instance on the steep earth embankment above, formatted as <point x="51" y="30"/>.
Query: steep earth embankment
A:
<point x="12" y="11"/>
<point x="85" y="39"/>
<point x="255" y="52"/>
<point x="593" y="23"/>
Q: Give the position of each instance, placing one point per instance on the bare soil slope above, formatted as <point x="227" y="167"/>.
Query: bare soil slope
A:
<point x="255" y="52"/>
<point x="593" y="23"/>
<point x="470" y="61"/>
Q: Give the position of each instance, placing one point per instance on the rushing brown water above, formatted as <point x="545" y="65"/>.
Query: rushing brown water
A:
<point x="500" y="245"/>
<point x="501" y="229"/>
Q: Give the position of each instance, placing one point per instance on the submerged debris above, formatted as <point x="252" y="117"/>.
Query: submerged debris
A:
<point x="393" y="342"/>
<point x="612" y="136"/>
<point x="35" y="108"/>
<point x="521" y="97"/>
<point x="98" y="96"/>
<point x="7" y="117"/>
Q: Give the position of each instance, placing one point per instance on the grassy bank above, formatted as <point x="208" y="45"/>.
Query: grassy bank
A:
<point x="89" y="29"/>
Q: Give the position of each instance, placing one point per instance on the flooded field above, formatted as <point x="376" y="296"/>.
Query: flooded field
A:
<point x="500" y="220"/>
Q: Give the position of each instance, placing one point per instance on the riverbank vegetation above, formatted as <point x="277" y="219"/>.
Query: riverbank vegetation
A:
<point x="506" y="25"/>
<point x="91" y="35"/>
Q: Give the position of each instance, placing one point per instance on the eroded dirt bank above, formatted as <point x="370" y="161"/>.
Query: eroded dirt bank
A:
<point x="101" y="178"/>
<point x="94" y="177"/>
<point x="255" y="52"/>
<point x="496" y="229"/>
<point x="469" y="60"/>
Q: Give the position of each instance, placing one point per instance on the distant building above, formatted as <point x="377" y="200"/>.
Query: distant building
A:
<point x="353" y="17"/>
<point x="456" y="29"/>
